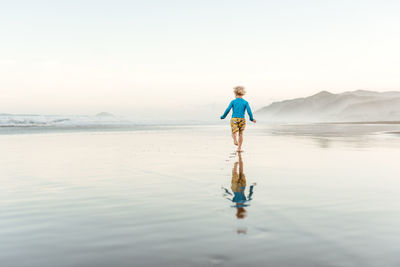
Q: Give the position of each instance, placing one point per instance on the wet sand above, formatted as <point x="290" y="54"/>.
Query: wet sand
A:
<point x="321" y="196"/>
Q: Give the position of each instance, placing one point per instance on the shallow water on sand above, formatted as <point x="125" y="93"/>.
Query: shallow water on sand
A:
<point x="179" y="196"/>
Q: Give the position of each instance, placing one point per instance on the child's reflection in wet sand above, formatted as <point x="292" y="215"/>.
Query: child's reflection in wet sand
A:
<point x="238" y="186"/>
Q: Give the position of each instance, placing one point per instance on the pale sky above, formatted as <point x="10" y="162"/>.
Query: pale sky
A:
<point x="130" y="57"/>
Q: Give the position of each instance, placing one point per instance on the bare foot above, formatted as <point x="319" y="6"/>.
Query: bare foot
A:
<point x="235" y="142"/>
<point x="239" y="150"/>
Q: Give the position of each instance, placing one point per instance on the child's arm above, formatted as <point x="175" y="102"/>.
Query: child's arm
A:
<point x="225" y="195"/>
<point x="226" y="191"/>
<point x="249" y="197"/>
<point x="227" y="110"/>
<point x="249" y="112"/>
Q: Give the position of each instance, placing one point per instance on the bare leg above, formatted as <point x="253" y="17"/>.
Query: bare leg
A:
<point x="240" y="163"/>
<point x="240" y="141"/>
<point x="234" y="135"/>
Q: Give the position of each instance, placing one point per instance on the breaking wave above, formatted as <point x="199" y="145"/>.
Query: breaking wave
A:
<point x="12" y="120"/>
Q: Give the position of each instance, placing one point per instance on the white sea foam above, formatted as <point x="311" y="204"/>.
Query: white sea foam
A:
<point x="28" y="120"/>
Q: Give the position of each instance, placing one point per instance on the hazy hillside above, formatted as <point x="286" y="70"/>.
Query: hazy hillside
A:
<point x="358" y="105"/>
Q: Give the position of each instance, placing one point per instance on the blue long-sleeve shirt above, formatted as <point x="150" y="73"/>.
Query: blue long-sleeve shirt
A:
<point x="239" y="106"/>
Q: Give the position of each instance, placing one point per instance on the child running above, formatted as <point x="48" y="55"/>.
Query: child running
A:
<point x="238" y="122"/>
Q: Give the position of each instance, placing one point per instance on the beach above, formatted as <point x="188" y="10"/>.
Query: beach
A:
<point x="324" y="195"/>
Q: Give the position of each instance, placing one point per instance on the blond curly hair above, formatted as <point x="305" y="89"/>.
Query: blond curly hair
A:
<point x="239" y="90"/>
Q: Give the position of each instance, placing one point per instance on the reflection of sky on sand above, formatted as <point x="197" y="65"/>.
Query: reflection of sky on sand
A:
<point x="327" y="135"/>
<point x="153" y="197"/>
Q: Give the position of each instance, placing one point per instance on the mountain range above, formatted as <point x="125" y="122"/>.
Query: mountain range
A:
<point x="353" y="106"/>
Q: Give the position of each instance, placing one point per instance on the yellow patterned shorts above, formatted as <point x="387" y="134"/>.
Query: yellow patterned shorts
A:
<point x="238" y="124"/>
